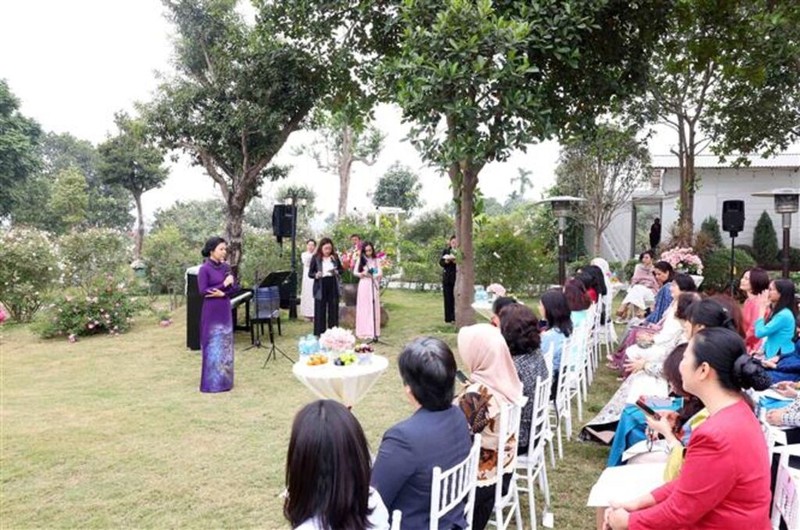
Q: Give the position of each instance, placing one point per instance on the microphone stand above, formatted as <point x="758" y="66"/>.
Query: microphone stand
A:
<point x="376" y="339"/>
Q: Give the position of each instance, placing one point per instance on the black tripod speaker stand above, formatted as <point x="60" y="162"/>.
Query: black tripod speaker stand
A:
<point x="267" y="309"/>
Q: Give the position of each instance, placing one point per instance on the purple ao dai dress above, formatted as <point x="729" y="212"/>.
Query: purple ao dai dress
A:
<point x="216" y="328"/>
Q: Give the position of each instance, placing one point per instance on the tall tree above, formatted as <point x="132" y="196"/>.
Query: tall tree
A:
<point x="605" y="169"/>
<point x="237" y="95"/>
<point x="131" y="160"/>
<point x="19" y="153"/>
<point x="725" y="75"/>
<point x="480" y="79"/>
<point x="69" y="200"/>
<point x="399" y="187"/>
<point x="346" y="139"/>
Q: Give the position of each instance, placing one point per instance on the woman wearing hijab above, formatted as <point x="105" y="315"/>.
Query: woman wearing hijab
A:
<point x="492" y="384"/>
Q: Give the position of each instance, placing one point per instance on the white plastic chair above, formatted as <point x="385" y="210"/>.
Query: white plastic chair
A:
<point x="397" y="518"/>
<point x="456" y="485"/>
<point x="561" y="409"/>
<point x="576" y="368"/>
<point x="509" y="428"/>
<point x="531" y="466"/>
<point x="548" y="362"/>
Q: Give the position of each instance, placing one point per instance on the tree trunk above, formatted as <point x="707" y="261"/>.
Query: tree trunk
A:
<point x="598" y="240"/>
<point x="465" y="280"/>
<point x="137" y="249"/>
<point x="687" y="188"/>
<point x="345" y="166"/>
<point x="233" y="233"/>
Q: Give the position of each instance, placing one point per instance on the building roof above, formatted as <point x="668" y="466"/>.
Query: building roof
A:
<point x="783" y="160"/>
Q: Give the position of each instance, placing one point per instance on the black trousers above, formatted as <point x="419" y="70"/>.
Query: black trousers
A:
<point x="326" y="310"/>
<point x="449" y="290"/>
<point x="484" y="503"/>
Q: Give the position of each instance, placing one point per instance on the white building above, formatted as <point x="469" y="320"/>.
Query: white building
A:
<point x="627" y="235"/>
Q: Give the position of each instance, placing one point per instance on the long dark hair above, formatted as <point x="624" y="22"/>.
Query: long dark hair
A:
<point x="362" y="261"/>
<point x="684" y="282"/>
<point x="664" y="266"/>
<point x="327" y="468"/>
<point x="724" y="351"/>
<point x="599" y="278"/>
<point x="322" y="242"/>
<point x="556" y="311"/>
<point x="577" y="297"/>
<point x="786" y="301"/>
<point x="211" y="244"/>
<point x="520" y="328"/>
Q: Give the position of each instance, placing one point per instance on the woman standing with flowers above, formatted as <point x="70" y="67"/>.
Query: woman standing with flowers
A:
<point x="216" y="283"/>
<point x="368" y="304"/>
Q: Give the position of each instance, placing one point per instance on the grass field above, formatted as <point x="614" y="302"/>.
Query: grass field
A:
<point x="112" y="432"/>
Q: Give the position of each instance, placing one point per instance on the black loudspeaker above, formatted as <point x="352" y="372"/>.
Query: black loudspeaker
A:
<point x="282" y="218"/>
<point x="733" y="217"/>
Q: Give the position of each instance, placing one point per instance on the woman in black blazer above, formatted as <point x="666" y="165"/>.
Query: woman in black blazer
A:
<point x="325" y="269"/>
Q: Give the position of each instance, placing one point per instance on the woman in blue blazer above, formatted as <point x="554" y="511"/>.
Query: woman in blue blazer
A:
<point x="778" y="329"/>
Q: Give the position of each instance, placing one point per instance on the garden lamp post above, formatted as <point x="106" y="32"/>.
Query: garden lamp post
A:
<point x="562" y="207"/>
<point x="294" y="201"/>
<point x="787" y="201"/>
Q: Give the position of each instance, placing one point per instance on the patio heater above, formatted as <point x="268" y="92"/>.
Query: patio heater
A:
<point x="787" y="201"/>
<point x="562" y="208"/>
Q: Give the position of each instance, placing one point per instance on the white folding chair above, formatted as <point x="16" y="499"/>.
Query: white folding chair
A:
<point x="548" y="362"/>
<point x="509" y="429"/>
<point x="531" y="466"/>
<point x="576" y="369"/>
<point x="454" y="486"/>
<point x="786" y="501"/>
<point x="397" y="518"/>
<point x="561" y="409"/>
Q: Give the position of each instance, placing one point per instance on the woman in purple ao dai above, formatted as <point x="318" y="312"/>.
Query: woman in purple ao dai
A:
<point x="216" y="283"/>
<point x="368" y="303"/>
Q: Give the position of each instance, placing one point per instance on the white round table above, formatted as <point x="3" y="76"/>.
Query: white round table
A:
<point x="347" y="384"/>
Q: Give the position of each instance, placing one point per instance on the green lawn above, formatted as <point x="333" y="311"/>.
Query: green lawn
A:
<point x="112" y="432"/>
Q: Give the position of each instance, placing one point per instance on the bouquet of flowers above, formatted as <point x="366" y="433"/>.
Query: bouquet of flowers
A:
<point x="683" y="259"/>
<point x="386" y="263"/>
<point x="337" y="339"/>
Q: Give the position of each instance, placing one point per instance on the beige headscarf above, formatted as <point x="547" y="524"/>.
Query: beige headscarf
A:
<point x="485" y="354"/>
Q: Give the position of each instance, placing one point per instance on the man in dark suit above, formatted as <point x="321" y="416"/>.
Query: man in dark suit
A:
<point x="448" y="264"/>
<point x="436" y="434"/>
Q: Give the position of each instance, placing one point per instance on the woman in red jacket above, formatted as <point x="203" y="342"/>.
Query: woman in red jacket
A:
<point x="724" y="481"/>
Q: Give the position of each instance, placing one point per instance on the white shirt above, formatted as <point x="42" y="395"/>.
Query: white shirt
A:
<point x="327" y="267"/>
<point x="378" y="519"/>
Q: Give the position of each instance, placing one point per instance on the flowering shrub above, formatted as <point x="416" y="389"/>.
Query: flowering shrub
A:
<point x="683" y="259"/>
<point x="337" y="339"/>
<point x="28" y="270"/>
<point x="89" y="254"/>
<point x="105" y="308"/>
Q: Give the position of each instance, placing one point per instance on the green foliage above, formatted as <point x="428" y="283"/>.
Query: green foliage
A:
<point x="765" y="242"/>
<point x="196" y="221"/>
<point x="19" y="157"/>
<point x="28" y="270"/>
<point x="398" y="187"/>
<point x="505" y="254"/>
<point x="106" y="308"/>
<point x="69" y="200"/>
<point x="710" y="225"/>
<point x="264" y="255"/>
<point x="748" y="249"/>
<point x="168" y="254"/>
<point x="89" y="255"/>
<point x="717" y="269"/>
<point x="433" y="225"/>
<point x="629" y="269"/>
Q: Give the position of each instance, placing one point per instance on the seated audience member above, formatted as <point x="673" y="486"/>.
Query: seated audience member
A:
<point x="779" y="327"/>
<point x="786" y="416"/>
<point x="520" y="328"/>
<point x="645" y="379"/>
<point x="493" y="382"/>
<point x="724" y="481"/>
<point x="642" y="289"/>
<point x="578" y="301"/>
<point x="554" y="308"/>
<point x="436" y="434"/>
<point x="328" y="455"/>
<point x="664" y="275"/>
<point x="498" y="305"/>
<point x="589" y="281"/>
<point x="754" y="284"/>
<point x="787" y="367"/>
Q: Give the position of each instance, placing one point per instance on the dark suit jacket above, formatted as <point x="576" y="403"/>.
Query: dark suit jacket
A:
<point x="316" y="266"/>
<point x="449" y="272"/>
<point x="406" y="458"/>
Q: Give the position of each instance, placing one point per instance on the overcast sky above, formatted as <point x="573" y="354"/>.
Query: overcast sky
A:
<point x="74" y="63"/>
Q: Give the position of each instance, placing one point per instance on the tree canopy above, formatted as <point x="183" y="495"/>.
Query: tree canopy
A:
<point x="398" y="187"/>
<point x="19" y="149"/>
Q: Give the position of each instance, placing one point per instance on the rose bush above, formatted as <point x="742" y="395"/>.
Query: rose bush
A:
<point x="28" y="271"/>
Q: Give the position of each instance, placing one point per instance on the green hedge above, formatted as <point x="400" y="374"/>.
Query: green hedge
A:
<point x="717" y="269"/>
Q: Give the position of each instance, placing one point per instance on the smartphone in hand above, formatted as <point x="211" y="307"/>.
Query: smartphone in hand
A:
<point x="460" y="376"/>
<point x="646" y="409"/>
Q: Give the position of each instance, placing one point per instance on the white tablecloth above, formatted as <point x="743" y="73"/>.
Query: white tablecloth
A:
<point x="346" y="384"/>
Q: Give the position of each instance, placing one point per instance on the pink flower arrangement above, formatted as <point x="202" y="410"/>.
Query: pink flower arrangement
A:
<point x="337" y="339"/>
<point x="683" y="259"/>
